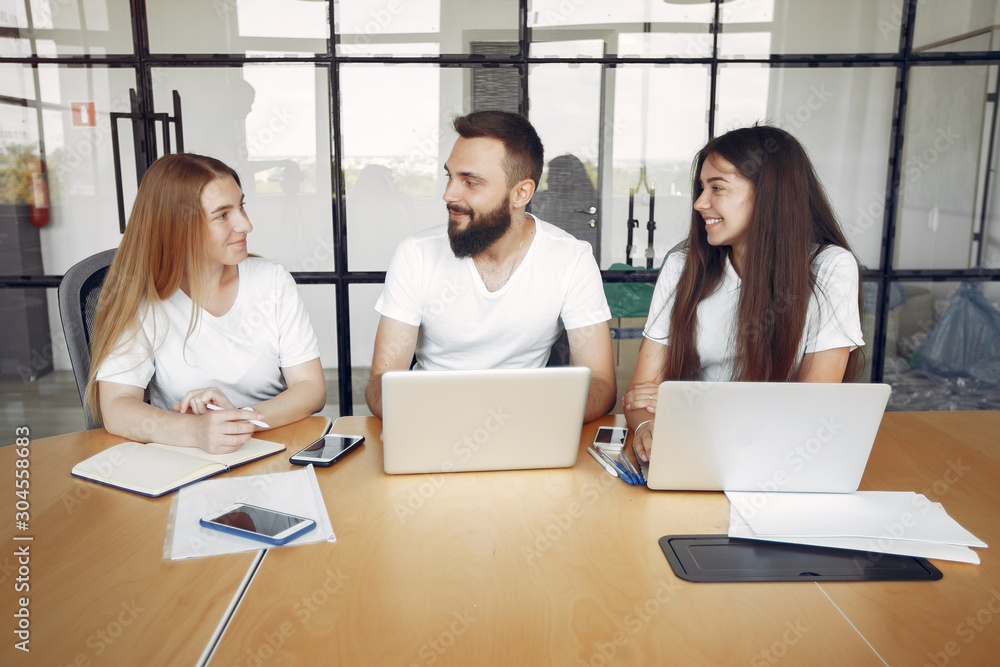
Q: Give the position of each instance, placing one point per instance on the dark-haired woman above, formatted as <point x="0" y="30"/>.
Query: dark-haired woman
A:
<point x="766" y="290"/>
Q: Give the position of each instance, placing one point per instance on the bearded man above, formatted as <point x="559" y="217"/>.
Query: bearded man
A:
<point x="497" y="286"/>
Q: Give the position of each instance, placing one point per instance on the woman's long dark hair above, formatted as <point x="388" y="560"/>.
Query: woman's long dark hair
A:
<point x="790" y="223"/>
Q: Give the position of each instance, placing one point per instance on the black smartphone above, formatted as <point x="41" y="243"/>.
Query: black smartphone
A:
<point x="327" y="450"/>
<point x="259" y="523"/>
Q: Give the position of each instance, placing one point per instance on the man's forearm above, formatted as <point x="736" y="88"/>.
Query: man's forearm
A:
<point x="600" y="398"/>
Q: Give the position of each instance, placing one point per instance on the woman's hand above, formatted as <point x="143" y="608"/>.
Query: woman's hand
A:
<point x="194" y="402"/>
<point x="217" y="432"/>
<point x="641" y="397"/>
<point x="221" y="432"/>
<point x="642" y="439"/>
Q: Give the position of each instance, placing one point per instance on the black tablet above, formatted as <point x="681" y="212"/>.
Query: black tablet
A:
<point x="719" y="558"/>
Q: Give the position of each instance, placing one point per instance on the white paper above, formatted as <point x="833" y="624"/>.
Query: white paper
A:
<point x="738" y="527"/>
<point x="871" y="515"/>
<point x="295" y="492"/>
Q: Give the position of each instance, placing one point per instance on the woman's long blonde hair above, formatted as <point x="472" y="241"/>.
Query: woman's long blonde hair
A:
<point x="163" y="244"/>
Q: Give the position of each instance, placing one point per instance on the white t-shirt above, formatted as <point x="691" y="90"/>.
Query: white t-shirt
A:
<point x="465" y="326"/>
<point x="832" y="319"/>
<point x="242" y="352"/>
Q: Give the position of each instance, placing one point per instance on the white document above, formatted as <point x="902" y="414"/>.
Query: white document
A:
<point x="740" y="528"/>
<point x="900" y="523"/>
<point x="294" y="492"/>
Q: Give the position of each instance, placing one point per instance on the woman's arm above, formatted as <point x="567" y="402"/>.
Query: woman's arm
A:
<point x="640" y="397"/>
<point x="824" y="366"/>
<point x="306" y="394"/>
<point x="126" y="415"/>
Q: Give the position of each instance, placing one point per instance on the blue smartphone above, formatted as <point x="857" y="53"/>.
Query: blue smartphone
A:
<point x="258" y="523"/>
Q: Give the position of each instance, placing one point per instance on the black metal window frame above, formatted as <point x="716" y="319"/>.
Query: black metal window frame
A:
<point x="141" y="61"/>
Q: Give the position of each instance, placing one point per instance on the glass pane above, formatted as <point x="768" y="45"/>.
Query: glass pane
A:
<point x="364" y="322"/>
<point x="956" y="26"/>
<point x="75" y="143"/>
<point x="989" y="252"/>
<point x="272" y="125"/>
<point x="63" y="117"/>
<point x="630" y="28"/>
<point x="421" y="27"/>
<point x="565" y="102"/>
<point x="917" y="370"/>
<point x="842" y="116"/>
<point x="944" y="142"/>
<point x="870" y="289"/>
<point x="658" y="125"/>
<point x="60" y="28"/>
<point x="32" y="394"/>
<point x="321" y="304"/>
<point x="274" y="28"/>
<point x="759" y="28"/>
<point x="396" y="136"/>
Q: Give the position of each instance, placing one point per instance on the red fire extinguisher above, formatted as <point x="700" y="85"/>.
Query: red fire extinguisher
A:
<point x="39" y="205"/>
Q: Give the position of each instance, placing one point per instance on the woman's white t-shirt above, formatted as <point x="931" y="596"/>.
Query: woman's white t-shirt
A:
<point x="832" y="319"/>
<point x="242" y="352"/>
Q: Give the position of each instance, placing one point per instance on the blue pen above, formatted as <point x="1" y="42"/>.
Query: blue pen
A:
<point x="625" y="474"/>
<point x="632" y="469"/>
<point x="622" y="473"/>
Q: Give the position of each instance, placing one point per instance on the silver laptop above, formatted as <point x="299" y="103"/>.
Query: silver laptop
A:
<point x="503" y="419"/>
<point x="763" y="436"/>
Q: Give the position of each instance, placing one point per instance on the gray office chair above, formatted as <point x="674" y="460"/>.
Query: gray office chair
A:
<point x="78" y="294"/>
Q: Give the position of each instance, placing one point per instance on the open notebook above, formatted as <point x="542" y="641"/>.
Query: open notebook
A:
<point x="502" y="419"/>
<point x="763" y="436"/>
<point x="154" y="469"/>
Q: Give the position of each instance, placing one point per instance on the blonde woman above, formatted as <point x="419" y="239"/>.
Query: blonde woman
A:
<point x="188" y="314"/>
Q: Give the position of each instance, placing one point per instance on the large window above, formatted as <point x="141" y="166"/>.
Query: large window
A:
<point x="337" y="115"/>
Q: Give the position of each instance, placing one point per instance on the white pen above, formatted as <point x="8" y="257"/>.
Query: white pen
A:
<point x="255" y="422"/>
<point x="601" y="461"/>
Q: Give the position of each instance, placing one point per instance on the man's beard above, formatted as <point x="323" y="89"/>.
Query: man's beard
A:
<point x="481" y="232"/>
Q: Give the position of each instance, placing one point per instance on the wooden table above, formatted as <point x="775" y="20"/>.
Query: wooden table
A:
<point x="540" y="567"/>
<point x="100" y="591"/>
<point x="563" y="567"/>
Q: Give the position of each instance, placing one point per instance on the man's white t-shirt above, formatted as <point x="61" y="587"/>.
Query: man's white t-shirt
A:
<point x="832" y="320"/>
<point x="242" y="352"/>
<point x="464" y="326"/>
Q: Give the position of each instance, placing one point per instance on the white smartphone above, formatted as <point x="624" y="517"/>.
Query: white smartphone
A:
<point x="611" y="438"/>
<point x="259" y="523"/>
<point x="327" y="450"/>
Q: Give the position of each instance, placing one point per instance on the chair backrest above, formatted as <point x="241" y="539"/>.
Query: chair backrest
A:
<point x="78" y="294"/>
